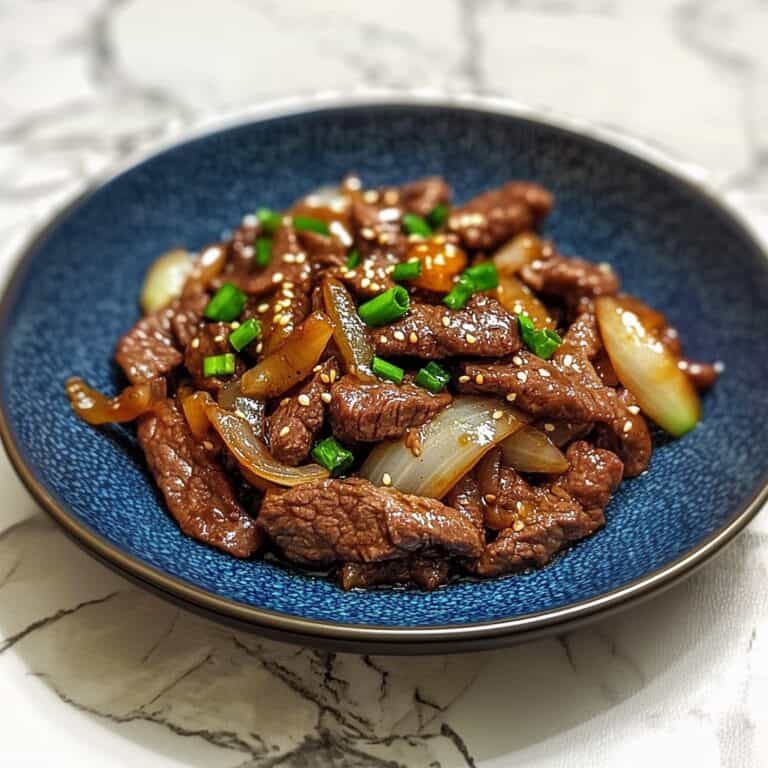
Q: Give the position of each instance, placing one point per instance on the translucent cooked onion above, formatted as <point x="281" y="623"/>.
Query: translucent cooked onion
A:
<point x="530" y="450"/>
<point x="647" y="368"/>
<point x="292" y="362"/>
<point x="252" y="455"/>
<point x="165" y="280"/>
<point x="449" y="445"/>
<point x="517" y="298"/>
<point x="95" y="408"/>
<point x="194" y="407"/>
<point x="350" y="332"/>
<point x="519" y="251"/>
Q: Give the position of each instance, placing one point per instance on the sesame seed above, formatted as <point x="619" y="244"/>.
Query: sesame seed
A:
<point x="549" y="427"/>
<point x="249" y="220"/>
<point x="511" y="397"/>
<point x="567" y="360"/>
<point x="208" y="445"/>
<point x="234" y="325"/>
<point x="544" y="373"/>
<point x="375" y="287"/>
<point x="518" y="525"/>
<point x="383" y="339"/>
<point x="399" y="335"/>
<point x="287" y="284"/>
<point x="633" y="409"/>
<point x="284" y="431"/>
<point x="479" y="379"/>
<point x="439" y="260"/>
<point x="248" y="251"/>
<point x="446" y="320"/>
<point x="285" y="401"/>
<point x="719" y="366"/>
<point x="367" y="233"/>
<point x="627" y="426"/>
<point x="288" y="293"/>
<point x="332" y="375"/>
<point x="301" y="258"/>
<point x="283" y="320"/>
<point x="277" y="277"/>
<point x="218" y="339"/>
<point x="370" y="196"/>
<point x="195" y="343"/>
<point x="365" y="282"/>
<point x="240" y="414"/>
<point x="463" y="379"/>
<point x="522" y="377"/>
<point x="386" y="479"/>
<point x="517" y="360"/>
<point x="259" y="347"/>
<point x="490" y="497"/>
<point x="351" y="274"/>
<point x="471" y="339"/>
<point x="519" y="506"/>
<point x="497" y="415"/>
<point x="325" y="378"/>
<point x="413" y="338"/>
<point x="303" y="400"/>
<point x="326" y="397"/>
<point x="289" y="258"/>
<point x="262" y="308"/>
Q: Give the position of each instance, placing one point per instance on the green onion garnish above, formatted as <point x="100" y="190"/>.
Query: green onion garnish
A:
<point x="241" y="337"/>
<point x="542" y="343"/>
<point x="270" y="220"/>
<point x="385" y="307"/>
<point x="308" y="224"/>
<point x="415" y="225"/>
<point x="408" y="270"/>
<point x="227" y="304"/>
<point x="219" y="365"/>
<point x="432" y="377"/>
<point x="460" y="293"/>
<point x="438" y="216"/>
<point x="263" y="251"/>
<point x="385" y="370"/>
<point x="353" y="259"/>
<point x="484" y="276"/>
<point x="332" y="455"/>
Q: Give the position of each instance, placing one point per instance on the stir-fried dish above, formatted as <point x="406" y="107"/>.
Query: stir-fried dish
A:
<point x="393" y="388"/>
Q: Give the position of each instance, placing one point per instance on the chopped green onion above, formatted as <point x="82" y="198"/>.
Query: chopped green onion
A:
<point x="385" y="370"/>
<point x="308" y="224"/>
<point x="385" y="307"/>
<point x="263" y="251"/>
<point x="270" y="220"/>
<point x="408" y="270"/>
<point x="241" y="337"/>
<point x="484" y="276"/>
<point x="219" y="365"/>
<point x="437" y="216"/>
<point x="353" y="259"/>
<point x="432" y="377"/>
<point x="542" y="343"/>
<point x="332" y="455"/>
<point x="460" y="293"/>
<point x="227" y="304"/>
<point x="415" y="225"/>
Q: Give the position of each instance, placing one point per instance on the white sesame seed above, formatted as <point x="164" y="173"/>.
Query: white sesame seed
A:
<point x="413" y="338"/>
<point x="365" y="282"/>
<point x="288" y="293"/>
<point x="463" y="379"/>
<point x="218" y="339"/>
<point x="522" y="376"/>
<point x="283" y="320"/>
<point x="332" y="375"/>
<point x="479" y="379"/>
<point x="234" y="325"/>
<point x="386" y="479"/>
<point x="277" y="277"/>
<point x="262" y="308"/>
<point x="399" y="335"/>
<point x="249" y="220"/>
<point x="633" y="409"/>
<point x="497" y="415"/>
<point x="490" y="498"/>
<point x="317" y="368"/>
<point x="471" y="339"/>
<point x="519" y="506"/>
<point x="567" y="360"/>
<point x="195" y="343"/>
<point x="544" y="373"/>
<point x="367" y="233"/>
<point x="518" y="525"/>
<point x="351" y="274"/>
<point x="325" y="378"/>
<point x="370" y="196"/>
<point x="284" y="431"/>
<point x="326" y="397"/>
<point x="259" y="347"/>
<point x="517" y="360"/>
<point x="208" y="445"/>
<point x="375" y="287"/>
<point x="446" y="320"/>
<point x="289" y="258"/>
<point x="627" y="426"/>
<point x="248" y="251"/>
<point x="511" y="397"/>
<point x="549" y="427"/>
<point x="301" y="258"/>
<point x="383" y="339"/>
<point x="240" y="414"/>
<point x="303" y="400"/>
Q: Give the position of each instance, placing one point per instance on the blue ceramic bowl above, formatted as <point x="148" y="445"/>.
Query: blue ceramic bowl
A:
<point x="75" y="291"/>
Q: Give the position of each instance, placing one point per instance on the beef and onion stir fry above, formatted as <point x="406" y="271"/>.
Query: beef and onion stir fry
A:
<point x="395" y="388"/>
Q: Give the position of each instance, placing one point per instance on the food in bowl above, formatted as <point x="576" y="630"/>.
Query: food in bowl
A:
<point x="395" y="388"/>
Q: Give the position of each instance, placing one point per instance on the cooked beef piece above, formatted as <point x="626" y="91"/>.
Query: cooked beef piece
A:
<point x="465" y="497"/>
<point x="378" y="226"/>
<point x="627" y="434"/>
<point x="424" y="195"/>
<point x="211" y="339"/>
<point x="198" y="492"/>
<point x="323" y="251"/>
<point x="542" y="519"/>
<point x="702" y="375"/>
<point x="148" y="350"/>
<point x="292" y="428"/>
<point x="490" y="219"/>
<point x="279" y="315"/>
<point x="372" y="411"/>
<point x="483" y="328"/>
<point x="570" y="280"/>
<point x="371" y="276"/>
<point x="352" y="520"/>
<point x="187" y="317"/>
<point x="424" y="572"/>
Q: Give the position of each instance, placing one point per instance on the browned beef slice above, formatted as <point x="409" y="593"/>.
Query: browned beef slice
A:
<point x="149" y="348"/>
<point x="323" y="251"/>
<point x="490" y="219"/>
<point x="372" y="411"/>
<point x="293" y="426"/>
<point x="377" y="225"/>
<point x="371" y="276"/>
<point x="187" y="316"/>
<point x="424" y="195"/>
<point x="465" y="497"/>
<point x="198" y="492"/>
<point x="544" y="518"/>
<point x="352" y="520"/>
<point x="627" y="433"/>
<point x="570" y="280"/>
<point x="211" y="339"/>
<point x="483" y="328"/>
<point x="702" y="375"/>
<point x="427" y="573"/>
<point x="279" y="315"/>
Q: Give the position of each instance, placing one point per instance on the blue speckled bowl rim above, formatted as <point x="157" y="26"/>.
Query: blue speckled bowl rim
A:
<point x="398" y="639"/>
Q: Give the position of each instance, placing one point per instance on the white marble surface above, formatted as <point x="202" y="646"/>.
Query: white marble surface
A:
<point x="94" y="672"/>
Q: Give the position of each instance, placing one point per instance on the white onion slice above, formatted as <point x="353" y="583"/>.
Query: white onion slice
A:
<point x="451" y="444"/>
<point x="647" y="368"/>
<point x="165" y="280"/>
<point x="530" y="450"/>
<point x="519" y="251"/>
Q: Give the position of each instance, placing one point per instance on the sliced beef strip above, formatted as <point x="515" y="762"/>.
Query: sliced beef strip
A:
<point x="187" y="317"/>
<point x="292" y="427"/>
<point x="483" y="328"/>
<point x="465" y="497"/>
<point x="543" y="519"/>
<point x="279" y="315"/>
<point x="211" y="339"/>
<point x="197" y="490"/>
<point x="323" y="251"/>
<point x="149" y="349"/>
<point x="424" y="572"/>
<point x="352" y="520"/>
<point x="377" y="226"/>
<point x="372" y="411"/>
<point x="371" y="276"/>
<point x="424" y="195"/>
<point x="490" y="219"/>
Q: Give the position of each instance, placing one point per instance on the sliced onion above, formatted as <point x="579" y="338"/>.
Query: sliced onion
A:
<point x="350" y="332"/>
<point x="194" y="407"/>
<point x="530" y="450"/>
<point x="207" y="266"/>
<point x="450" y="445"/>
<point x="252" y="455"/>
<point x="165" y="280"/>
<point x="516" y="297"/>
<point x="95" y="408"/>
<point x="519" y="251"/>
<point x="292" y="362"/>
<point x="647" y="368"/>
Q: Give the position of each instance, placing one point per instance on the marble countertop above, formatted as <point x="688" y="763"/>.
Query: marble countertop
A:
<point x="94" y="672"/>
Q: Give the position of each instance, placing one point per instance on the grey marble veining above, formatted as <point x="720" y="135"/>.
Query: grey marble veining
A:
<point x="115" y="676"/>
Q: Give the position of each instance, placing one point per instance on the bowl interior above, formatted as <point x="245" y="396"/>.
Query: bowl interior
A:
<point x="78" y="292"/>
